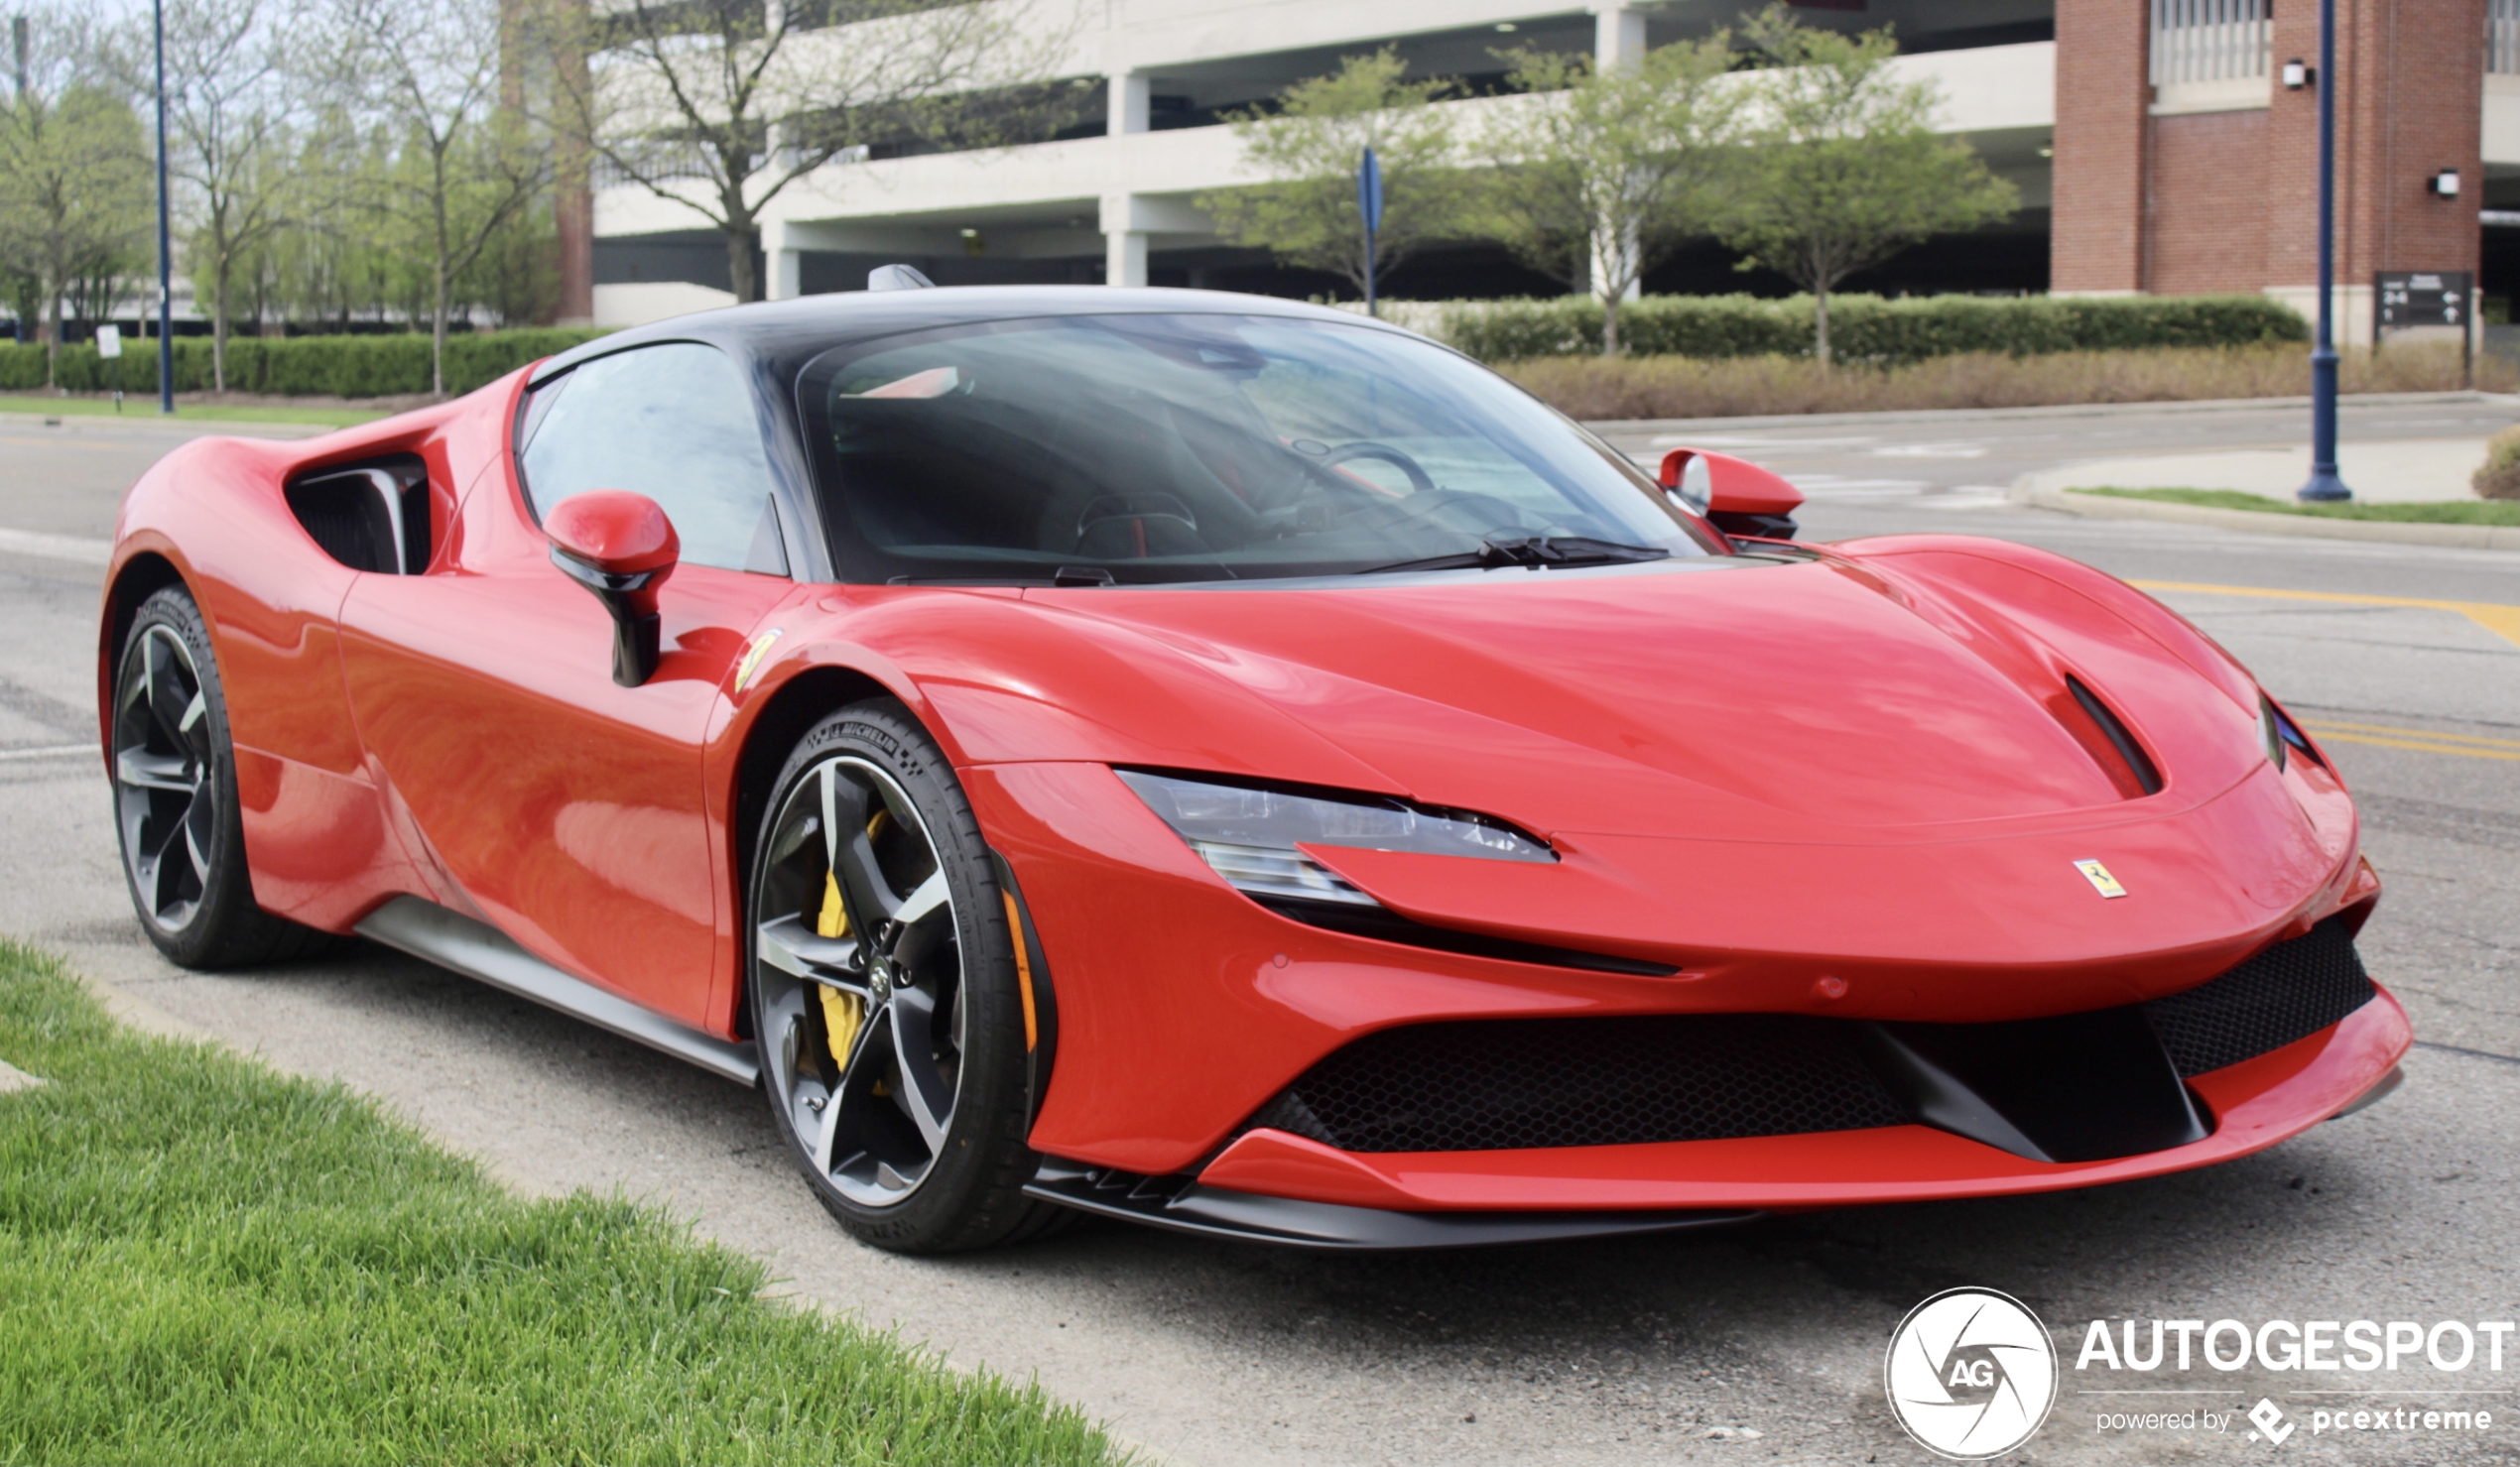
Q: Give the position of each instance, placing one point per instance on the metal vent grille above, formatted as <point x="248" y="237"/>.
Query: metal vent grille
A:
<point x="2287" y="992"/>
<point x="1503" y="1084"/>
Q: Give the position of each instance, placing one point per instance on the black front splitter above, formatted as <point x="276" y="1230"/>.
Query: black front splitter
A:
<point x="1181" y="1204"/>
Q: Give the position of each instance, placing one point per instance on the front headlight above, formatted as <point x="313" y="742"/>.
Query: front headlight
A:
<point x="1248" y="833"/>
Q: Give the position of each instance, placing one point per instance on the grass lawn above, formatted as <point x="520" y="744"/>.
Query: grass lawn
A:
<point x="146" y="407"/>
<point x="2433" y="512"/>
<point x="205" y="1260"/>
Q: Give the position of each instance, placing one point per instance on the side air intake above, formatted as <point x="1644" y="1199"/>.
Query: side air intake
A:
<point x="371" y="517"/>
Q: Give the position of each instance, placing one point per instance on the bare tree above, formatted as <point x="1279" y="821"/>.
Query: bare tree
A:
<point x="1599" y="176"/>
<point x="719" y="105"/>
<point x="229" y="135"/>
<point x="74" y="168"/>
<point x="430" y="75"/>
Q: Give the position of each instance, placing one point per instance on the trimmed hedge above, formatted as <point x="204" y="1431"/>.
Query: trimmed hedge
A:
<point x="298" y="366"/>
<point x="1864" y="329"/>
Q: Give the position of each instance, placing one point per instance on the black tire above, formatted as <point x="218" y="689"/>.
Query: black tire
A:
<point x="174" y="800"/>
<point x="866" y="816"/>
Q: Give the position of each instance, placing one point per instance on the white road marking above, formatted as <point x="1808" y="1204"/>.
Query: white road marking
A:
<point x="56" y="546"/>
<point x="51" y="751"/>
<point x="1757" y="440"/>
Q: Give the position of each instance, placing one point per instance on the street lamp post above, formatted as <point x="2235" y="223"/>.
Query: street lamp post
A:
<point x="2324" y="485"/>
<point x="165" y="256"/>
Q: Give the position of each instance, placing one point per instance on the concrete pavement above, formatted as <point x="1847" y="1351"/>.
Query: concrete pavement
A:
<point x="1605" y="1352"/>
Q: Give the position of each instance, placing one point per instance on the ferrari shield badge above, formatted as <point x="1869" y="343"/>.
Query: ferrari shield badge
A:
<point x="2101" y="882"/>
<point x="752" y="659"/>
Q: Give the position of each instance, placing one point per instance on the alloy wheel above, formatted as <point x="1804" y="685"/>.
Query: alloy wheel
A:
<point x="164" y="793"/>
<point x="858" y="958"/>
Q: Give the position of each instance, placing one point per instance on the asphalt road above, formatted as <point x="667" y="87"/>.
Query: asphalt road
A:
<point x="1646" y="1351"/>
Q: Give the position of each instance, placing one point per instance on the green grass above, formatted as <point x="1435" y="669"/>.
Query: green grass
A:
<point x="146" y="408"/>
<point x="205" y="1260"/>
<point x="2432" y="512"/>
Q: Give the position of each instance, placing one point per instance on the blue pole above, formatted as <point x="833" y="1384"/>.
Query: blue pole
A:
<point x="165" y="256"/>
<point x="1369" y="207"/>
<point x="1370" y="309"/>
<point x="2325" y="486"/>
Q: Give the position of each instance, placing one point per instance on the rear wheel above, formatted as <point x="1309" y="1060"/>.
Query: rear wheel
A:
<point x="174" y="800"/>
<point x="884" y="996"/>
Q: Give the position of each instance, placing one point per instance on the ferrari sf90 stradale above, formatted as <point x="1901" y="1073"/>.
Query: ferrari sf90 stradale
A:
<point x="1236" y="766"/>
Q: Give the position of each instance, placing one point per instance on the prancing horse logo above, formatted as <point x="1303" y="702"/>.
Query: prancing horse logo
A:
<point x="2097" y="875"/>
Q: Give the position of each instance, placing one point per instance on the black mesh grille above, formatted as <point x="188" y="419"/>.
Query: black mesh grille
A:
<point x="1505" y="1085"/>
<point x="1500" y="1084"/>
<point x="2287" y="992"/>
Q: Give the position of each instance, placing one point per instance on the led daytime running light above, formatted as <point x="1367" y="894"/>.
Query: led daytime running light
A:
<point x="1249" y="834"/>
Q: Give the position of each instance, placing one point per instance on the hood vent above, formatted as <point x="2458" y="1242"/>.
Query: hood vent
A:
<point x="2135" y="762"/>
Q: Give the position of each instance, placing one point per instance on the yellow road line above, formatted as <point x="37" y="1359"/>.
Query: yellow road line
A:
<point x="2501" y="620"/>
<point x="2343" y="738"/>
<point x="2414" y="733"/>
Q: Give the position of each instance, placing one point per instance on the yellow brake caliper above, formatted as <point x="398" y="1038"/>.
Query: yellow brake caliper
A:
<point x="842" y="1013"/>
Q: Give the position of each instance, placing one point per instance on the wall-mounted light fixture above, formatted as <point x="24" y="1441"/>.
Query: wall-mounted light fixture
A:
<point x="973" y="243"/>
<point x="2443" y="185"/>
<point x="2299" y="74"/>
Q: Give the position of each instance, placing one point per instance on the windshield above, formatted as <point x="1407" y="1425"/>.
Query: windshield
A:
<point x="1162" y="448"/>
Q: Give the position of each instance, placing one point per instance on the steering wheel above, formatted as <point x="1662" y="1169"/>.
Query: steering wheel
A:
<point x="1419" y="480"/>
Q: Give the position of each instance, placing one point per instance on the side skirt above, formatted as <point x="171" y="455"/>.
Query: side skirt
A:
<point x="454" y="942"/>
<point x="1179" y="1203"/>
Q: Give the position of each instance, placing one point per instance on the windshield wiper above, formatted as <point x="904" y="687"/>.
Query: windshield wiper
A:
<point x="1531" y="550"/>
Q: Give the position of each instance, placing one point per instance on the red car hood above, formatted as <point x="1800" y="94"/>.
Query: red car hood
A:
<point x="1709" y="743"/>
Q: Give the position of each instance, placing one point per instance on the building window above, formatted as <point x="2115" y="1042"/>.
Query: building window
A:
<point x="2213" y="40"/>
<point x="2503" y="37"/>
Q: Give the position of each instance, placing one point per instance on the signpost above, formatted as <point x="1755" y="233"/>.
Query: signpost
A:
<point x="1369" y="204"/>
<point x="2407" y="298"/>
<point x="109" y="346"/>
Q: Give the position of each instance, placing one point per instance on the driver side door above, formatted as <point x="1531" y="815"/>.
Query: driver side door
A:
<point x="533" y="791"/>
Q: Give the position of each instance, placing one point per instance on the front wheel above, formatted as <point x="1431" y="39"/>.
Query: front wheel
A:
<point x="884" y="992"/>
<point x="174" y="798"/>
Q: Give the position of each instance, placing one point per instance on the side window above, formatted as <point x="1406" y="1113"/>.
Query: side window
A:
<point x="674" y="422"/>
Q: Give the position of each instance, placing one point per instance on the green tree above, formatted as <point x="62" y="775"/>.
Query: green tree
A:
<point x="1310" y="147"/>
<point x="73" y="172"/>
<point x="1844" y="168"/>
<point x="464" y="166"/>
<point x="1596" y="176"/>
<point x="719" y="106"/>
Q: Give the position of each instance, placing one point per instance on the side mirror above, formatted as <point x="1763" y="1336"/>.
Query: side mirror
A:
<point x="1740" y="498"/>
<point x="621" y="546"/>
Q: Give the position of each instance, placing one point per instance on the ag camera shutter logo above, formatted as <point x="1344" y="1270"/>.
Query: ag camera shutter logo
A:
<point x="1972" y="1374"/>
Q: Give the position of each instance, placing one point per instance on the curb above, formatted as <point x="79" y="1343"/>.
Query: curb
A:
<point x="2105" y="507"/>
<point x="2068" y="410"/>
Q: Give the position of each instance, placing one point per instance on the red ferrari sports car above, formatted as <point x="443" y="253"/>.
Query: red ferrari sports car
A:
<point x="1236" y="766"/>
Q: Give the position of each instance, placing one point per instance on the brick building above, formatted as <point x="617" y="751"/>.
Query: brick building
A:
<point x="2187" y="160"/>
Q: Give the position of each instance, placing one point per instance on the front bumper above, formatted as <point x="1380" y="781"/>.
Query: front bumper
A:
<point x="2255" y="1104"/>
<point x="1185" y="1008"/>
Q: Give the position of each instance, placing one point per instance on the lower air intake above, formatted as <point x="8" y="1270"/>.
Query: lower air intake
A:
<point x="1503" y="1084"/>
<point x="2287" y="992"/>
